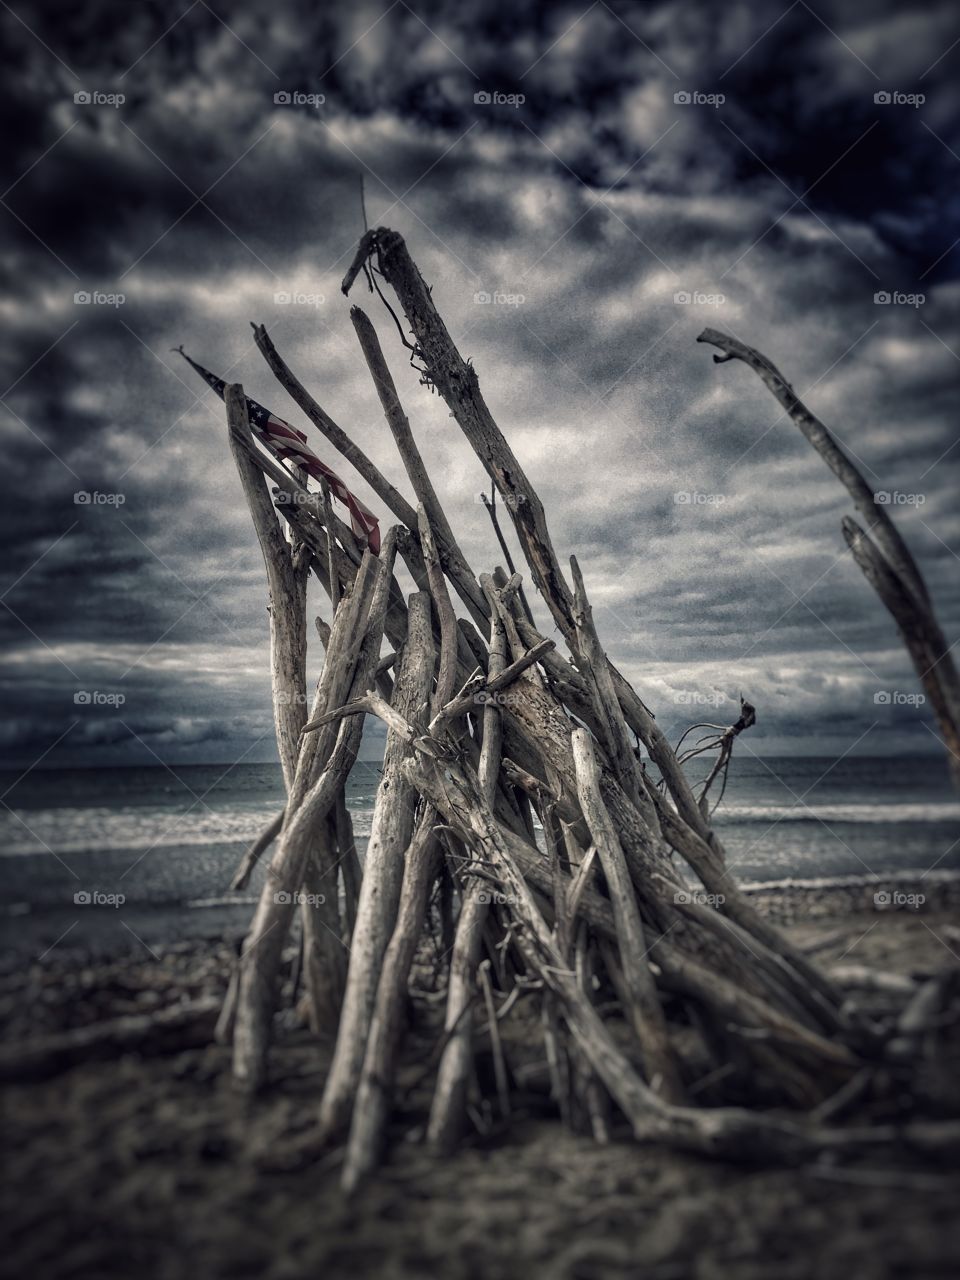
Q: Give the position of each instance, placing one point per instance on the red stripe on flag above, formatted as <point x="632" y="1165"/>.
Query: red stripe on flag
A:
<point x="362" y="521"/>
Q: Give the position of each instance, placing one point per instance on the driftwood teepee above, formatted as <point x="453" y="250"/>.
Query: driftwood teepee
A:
<point x="539" y="794"/>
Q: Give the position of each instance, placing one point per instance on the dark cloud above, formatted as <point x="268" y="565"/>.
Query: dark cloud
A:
<point x="789" y="205"/>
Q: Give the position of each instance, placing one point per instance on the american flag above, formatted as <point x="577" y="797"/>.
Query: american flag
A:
<point x="287" y="442"/>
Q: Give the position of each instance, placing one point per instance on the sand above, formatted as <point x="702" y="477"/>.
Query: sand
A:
<point x="154" y="1166"/>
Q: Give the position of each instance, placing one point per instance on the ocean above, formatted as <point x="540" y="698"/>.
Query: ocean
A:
<point x="99" y="860"/>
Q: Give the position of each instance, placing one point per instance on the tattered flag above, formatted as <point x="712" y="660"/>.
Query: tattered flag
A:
<point x="287" y="442"/>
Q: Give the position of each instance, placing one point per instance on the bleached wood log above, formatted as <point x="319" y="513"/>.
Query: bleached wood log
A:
<point x="350" y="869"/>
<point x="490" y="504"/>
<point x="376" y="1076"/>
<point x="287" y="568"/>
<point x="886" y="533"/>
<point x="730" y="1133"/>
<point x="923" y="642"/>
<point x="643" y="1008"/>
<point x="901" y="588"/>
<point x="802" y="975"/>
<point x="598" y="676"/>
<point x="390" y="833"/>
<point x="341" y="824"/>
<point x="374" y="1090"/>
<point x="458" y="385"/>
<point x="866" y="978"/>
<point x="448" y="1105"/>
<point x="355" y="645"/>
<point x="171" y="1030"/>
<point x="368" y="702"/>
<point x="374" y="477"/>
<point x="324" y="948"/>
<point x="286" y="584"/>
<point x="327" y="505"/>
<point x="446" y="618"/>
<point x="727" y="998"/>
<point x="453" y="561"/>
<point x="253" y="855"/>
<point x="350" y="625"/>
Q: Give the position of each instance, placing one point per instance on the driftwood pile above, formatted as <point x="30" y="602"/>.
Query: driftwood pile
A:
<point x="536" y="800"/>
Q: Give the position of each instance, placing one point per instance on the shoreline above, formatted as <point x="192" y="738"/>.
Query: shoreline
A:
<point x="49" y="936"/>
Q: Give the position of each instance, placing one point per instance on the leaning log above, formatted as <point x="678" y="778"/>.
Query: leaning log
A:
<point x="390" y="833"/>
<point x="886" y="561"/>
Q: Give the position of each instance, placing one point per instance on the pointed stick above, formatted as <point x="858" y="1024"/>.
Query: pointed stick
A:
<point x="287" y="594"/>
<point x="374" y="477"/>
<point x="452" y="558"/>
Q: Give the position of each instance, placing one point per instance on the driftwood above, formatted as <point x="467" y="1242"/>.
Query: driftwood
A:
<point x="390" y="834"/>
<point x="256" y="851"/>
<point x="565" y="865"/>
<point x="880" y="552"/>
<point x="181" y="1026"/>
<point x="448" y="1109"/>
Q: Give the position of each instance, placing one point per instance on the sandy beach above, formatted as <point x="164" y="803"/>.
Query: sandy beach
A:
<point x="151" y="1163"/>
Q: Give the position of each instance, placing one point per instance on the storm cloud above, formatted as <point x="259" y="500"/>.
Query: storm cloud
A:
<point x="613" y="178"/>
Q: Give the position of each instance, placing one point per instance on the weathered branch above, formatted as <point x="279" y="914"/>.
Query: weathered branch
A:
<point x="643" y="1008"/>
<point x="390" y="833"/>
<point x="914" y="609"/>
<point x="931" y="662"/>
<point x="374" y="477"/>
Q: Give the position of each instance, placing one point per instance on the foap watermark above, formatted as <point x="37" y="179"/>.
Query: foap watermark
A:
<point x="94" y="898"/>
<point x="894" y="498"/>
<point x="296" y="298"/>
<point x="896" y="298"/>
<point x="283" y="898"/>
<point x="295" y="498"/>
<point x="86" y="498"/>
<point x="694" y="498"/>
<point x="97" y="98"/>
<point x="287" y="698"/>
<point x="691" y="698"/>
<point x="497" y="897"/>
<point x="694" y="98"/>
<point x="896" y="698"/>
<point x="894" y="98"/>
<point x="893" y="899"/>
<point x="483" y="698"/>
<point x="494" y="98"/>
<point x="513" y="500"/>
<point x="694" y="897"/>
<point x="98" y="298"/>
<point x="499" y="299"/>
<point x="697" y="298"/>
<point x="294" y="98"/>
<point x="98" y="698"/>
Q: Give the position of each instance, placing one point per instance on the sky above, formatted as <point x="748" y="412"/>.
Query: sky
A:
<point x="613" y="177"/>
